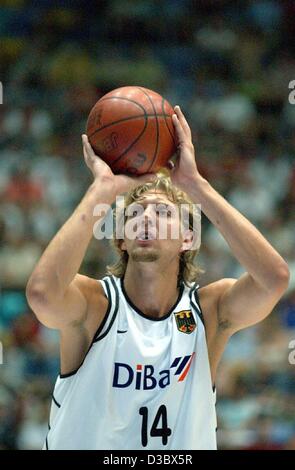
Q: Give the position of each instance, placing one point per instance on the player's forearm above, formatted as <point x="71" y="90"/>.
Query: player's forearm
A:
<point x="62" y="258"/>
<point x="248" y="245"/>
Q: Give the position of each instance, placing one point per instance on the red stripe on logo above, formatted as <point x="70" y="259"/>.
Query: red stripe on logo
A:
<point x="185" y="372"/>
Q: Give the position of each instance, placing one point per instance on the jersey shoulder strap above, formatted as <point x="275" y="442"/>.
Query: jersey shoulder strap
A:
<point x="112" y="293"/>
<point x="195" y="302"/>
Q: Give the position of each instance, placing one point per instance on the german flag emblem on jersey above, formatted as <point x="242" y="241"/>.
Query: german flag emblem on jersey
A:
<point x="185" y="321"/>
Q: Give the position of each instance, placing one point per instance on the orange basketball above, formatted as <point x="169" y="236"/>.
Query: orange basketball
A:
<point x="131" y="129"/>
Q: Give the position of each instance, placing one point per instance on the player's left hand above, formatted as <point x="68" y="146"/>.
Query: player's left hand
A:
<point x="184" y="172"/>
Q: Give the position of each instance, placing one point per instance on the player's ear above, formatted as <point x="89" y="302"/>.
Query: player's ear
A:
<point x="187" y="240"/>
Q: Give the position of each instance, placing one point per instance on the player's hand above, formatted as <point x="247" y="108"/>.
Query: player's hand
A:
<point x="103" y="175"/>
<point x="184" y="172"/>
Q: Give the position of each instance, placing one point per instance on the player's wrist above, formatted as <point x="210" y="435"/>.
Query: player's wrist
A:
<point x="102" y="193"/>
<point x="197" y="186"/>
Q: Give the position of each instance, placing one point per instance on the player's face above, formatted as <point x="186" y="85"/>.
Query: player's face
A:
<point x="153" y="229"/>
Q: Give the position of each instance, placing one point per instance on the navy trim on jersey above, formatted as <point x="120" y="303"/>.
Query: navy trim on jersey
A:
<point x="55" y="401"/>
<point x="198" y="309"/>
<point x="46" y="439"/>
<point x="69" y="374"/>
<point x="99" y="329"/>
<point x="196" y="305"/>
<point x="164" y="317"/>
<point x="114" y="314"/>
<point x="199" y="305"/>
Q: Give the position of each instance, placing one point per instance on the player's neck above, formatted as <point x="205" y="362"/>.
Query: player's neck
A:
<point x="152" y="289"/>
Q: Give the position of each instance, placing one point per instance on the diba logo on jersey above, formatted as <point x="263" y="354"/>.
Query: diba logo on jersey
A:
<point x="145" y="378"/>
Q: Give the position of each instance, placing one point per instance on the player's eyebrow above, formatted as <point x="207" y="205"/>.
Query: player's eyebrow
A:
<point x="145" y="202"/>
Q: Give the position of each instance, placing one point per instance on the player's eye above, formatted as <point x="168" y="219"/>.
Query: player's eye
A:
<point x="132" y="212"/>
<point x="130" y="216"/>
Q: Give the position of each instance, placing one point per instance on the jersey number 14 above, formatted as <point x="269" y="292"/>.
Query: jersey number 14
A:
<point x="156" y="431"/>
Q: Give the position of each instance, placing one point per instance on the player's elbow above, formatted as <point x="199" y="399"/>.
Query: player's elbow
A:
<point x="282" y="278"/>
<point x="37" y="297"/>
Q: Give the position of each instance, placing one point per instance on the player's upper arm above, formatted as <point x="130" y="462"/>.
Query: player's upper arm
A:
<point x="73" y="308"/>
<point x="244" y="302"/>
<point x="229" y="305"/>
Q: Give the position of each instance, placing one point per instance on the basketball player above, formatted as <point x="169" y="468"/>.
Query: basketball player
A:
<point x="140" y="348"/>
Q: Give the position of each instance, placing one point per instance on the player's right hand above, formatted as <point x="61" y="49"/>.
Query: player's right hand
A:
<point x="103" y="174"/>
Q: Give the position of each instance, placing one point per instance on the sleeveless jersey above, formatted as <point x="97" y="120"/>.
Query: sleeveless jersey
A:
<point x="144" y="384"/>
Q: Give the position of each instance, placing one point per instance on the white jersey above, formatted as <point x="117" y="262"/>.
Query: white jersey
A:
<point x="145" y="382"/>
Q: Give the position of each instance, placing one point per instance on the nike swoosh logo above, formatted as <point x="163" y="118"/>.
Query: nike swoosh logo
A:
<point x="121" y="331"/>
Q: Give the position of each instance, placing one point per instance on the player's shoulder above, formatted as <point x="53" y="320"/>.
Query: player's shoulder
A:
<point x="88" y="283"/>
<point x="91" y="288"/>
<point x="215" y="289"/>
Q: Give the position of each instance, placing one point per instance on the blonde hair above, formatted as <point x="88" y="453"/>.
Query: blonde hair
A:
<point x="188" y="270"/>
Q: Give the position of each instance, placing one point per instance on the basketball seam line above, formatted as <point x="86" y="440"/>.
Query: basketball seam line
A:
<point x="125" y="99"/>
<point x="165" y="115"/>
<point x="128" y="119"/>
<point x="133" y="143"/>
<point x="157" y="124"/>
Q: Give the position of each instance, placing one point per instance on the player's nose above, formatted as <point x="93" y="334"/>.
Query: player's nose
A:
<point x="149" y="216"/>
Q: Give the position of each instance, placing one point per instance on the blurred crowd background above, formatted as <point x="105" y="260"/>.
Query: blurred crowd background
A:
<point x="228" y="64"/>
